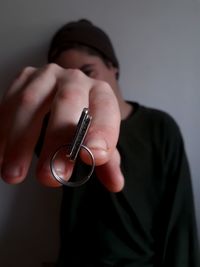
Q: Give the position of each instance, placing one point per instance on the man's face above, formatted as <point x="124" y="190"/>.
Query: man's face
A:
<point x="92" y="66"/>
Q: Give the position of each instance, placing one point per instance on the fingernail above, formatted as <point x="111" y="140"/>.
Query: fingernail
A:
<point x="61" y="168"/>
<point x="11" y="170"/>
<point x="97" y="144"/>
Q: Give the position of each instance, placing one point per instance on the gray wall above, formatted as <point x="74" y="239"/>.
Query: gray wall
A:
<point x="158" y="45"/>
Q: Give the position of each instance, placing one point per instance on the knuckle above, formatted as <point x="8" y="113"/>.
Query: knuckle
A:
<point x="51" y="68"/>
<point x="28" y="98"/>
<point x="102" y="85"/>
<point x="75" y="75"/>
<point x="25" y="71"/>
<point x="72" y="87"/>
<point x="69" y="94"/>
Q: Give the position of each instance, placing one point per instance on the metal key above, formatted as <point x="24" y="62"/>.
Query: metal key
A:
<point x="80" y="134"/>
<point x="72" y="151"/>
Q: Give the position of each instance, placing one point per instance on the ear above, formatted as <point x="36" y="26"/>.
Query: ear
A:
<point x="114" y="69"/>
<point x="116" y="72"/>
<point x="110" y="66"/>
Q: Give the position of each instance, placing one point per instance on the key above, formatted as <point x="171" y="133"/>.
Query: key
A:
<point x="80" y="134"/>
<point x="73" y="149"/>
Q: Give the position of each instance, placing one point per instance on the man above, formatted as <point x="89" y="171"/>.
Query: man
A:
<point x="137" y="209"/>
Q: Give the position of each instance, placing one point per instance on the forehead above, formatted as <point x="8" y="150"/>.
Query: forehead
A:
<point x="75" y="58"/>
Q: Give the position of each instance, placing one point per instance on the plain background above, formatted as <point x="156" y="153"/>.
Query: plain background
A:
<point x="158" y="45"/>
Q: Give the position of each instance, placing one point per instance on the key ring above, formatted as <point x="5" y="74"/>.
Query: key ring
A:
<point x="72" y="150"/>
<point x="69" y="183"/>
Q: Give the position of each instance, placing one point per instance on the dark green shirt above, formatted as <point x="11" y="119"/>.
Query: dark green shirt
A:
<point x="151" y="222"/>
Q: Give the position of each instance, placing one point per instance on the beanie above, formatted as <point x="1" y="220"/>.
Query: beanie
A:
<point x="85" y="33"/>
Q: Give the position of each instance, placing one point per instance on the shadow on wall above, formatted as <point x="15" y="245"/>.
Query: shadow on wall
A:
<point x="29" y="212"/>
<point x="29" y="224"/>
<point x="18" y="59"/>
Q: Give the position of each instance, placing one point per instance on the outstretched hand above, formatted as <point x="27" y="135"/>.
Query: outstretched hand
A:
<point x="64" y="93"/>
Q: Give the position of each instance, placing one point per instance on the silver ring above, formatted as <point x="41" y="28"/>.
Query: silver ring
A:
<point x="69" y="183"/>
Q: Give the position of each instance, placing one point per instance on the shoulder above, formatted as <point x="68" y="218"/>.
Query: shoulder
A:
<point x="165" y="133"/>
<point x="158" y="115"/>
<point x="152" y="125"/>
<point x="157" y="120"/>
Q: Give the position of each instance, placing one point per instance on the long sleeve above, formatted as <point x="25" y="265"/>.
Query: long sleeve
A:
<point x="178" y="238"/>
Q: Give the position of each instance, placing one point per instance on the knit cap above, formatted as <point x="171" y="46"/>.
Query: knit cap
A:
<point x="85" y="33"/>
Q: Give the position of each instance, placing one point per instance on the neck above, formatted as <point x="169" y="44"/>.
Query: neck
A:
<point x="125" y="108"/>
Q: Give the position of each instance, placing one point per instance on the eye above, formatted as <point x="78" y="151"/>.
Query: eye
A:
<point x="88" y="72"/>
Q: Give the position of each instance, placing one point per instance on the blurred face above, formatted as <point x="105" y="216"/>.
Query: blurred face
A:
<point x="92" y="66"/>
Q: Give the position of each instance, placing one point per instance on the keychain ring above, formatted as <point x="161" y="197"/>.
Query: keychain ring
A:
<point x="69" y="183"/>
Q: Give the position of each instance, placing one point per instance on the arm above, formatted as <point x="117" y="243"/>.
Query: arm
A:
<point x="177" y="233"/>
